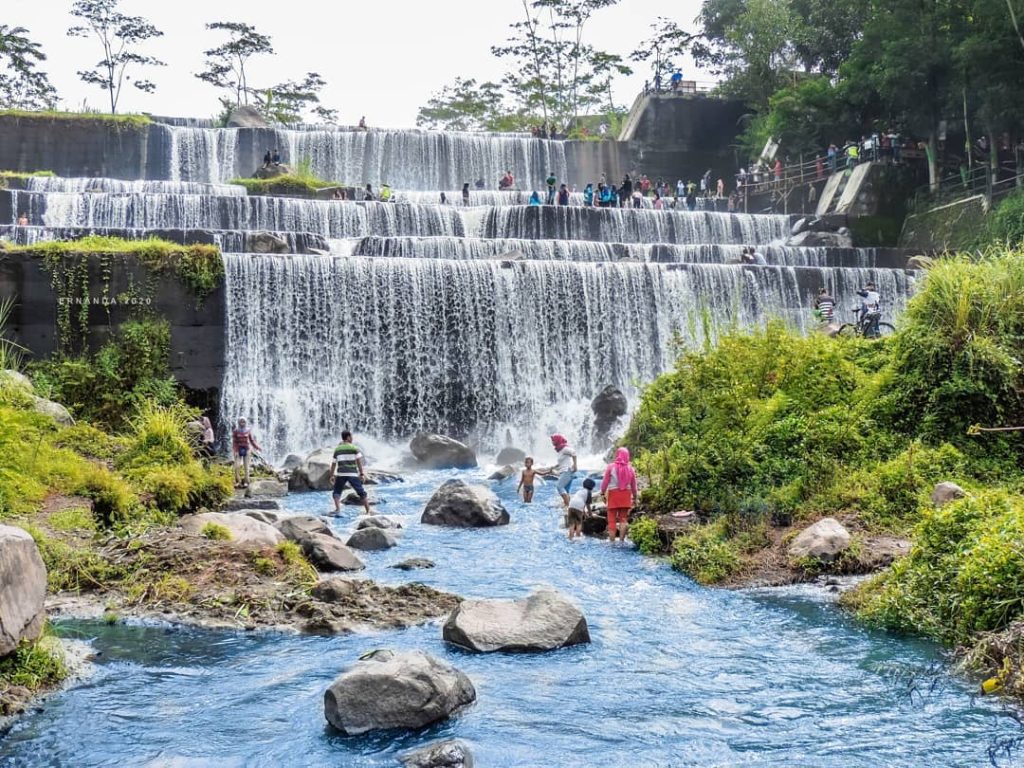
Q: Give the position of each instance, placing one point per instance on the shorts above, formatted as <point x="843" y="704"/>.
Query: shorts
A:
<point x="564" y="482"/>
<point x="357" y="486"/>
<point x="527" y="489"/>
<point x="243" y="451"/>
<point x="574" y="516"/>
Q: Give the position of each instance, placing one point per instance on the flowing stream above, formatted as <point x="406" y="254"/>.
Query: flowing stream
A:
<point x="676" y="675"/>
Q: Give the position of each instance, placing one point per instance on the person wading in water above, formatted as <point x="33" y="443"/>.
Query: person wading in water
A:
<point x="619" y="489"/>
<point x="347" y="469"/>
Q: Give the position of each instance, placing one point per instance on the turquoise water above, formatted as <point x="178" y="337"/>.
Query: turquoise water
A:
<point x="677" y="675"/>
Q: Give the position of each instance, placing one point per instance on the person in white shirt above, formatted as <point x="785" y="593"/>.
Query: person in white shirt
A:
<point x="579" y="505"/>
<point x="565" y="467"/>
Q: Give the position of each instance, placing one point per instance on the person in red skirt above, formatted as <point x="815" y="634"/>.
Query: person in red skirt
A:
<point x="619" y="489"/>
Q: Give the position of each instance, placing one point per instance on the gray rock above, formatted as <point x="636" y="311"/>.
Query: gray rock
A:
<point x="292" y="461"/>
<point x="544" y="621"/>
<point x="55" y="411"/>
<point x="387" y="689"/>
<point x="376" y="521"/>
<point x="267" y="489"/>
<point x="247" y="117"/>
<point x="16" y="379"/>
<point x="609" y="406"/>
<point x="503" y="474"/>
<point x="245" y="531"/>
<point x="920" y="262"/>
<point x="301" y="527"/>
<point x="22" y="588"/>
<point x="326" y="553"/>
<point x="825" y="540"/>
<point x="799" y="226"/>
<point x="382" y="477"/>
<point x="945" y="493"/>
<point x="244" y="505"/>
<point x="820" y="240"/>
<point x="351" y="499"/>
<point x="264" y="516"/>
<point x="440" y="452"/>
<point x="332" y="590"/>
<point x="273" y="171"/>
<point x="267" y="242"/>
<point x="414" y="564"/>
<point x="460" y="505"/>
<point x="443" y="754"/>
<point x="314" y="473"/>
<point x="371" y="540"/>
<point x="509" y="455"/>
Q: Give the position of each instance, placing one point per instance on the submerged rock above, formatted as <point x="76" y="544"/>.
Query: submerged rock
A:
<point x="388" y="689"/>
<point x="245" y="531"/>
<point x="946" y="493"/>
<point x="414" y="564"/>
<point x="377" y="521"/>
<point x="326" y="553"/>
<point x="440" y="452"/>
<point x="460" y="505"/>
<point x="443" y="754"/>
<point x="503" y="474"/>
<point x="371" y="539"/>
<point x="825" y="540"/>
<point x="22" y="588"/>
<point x="544" y="621"/>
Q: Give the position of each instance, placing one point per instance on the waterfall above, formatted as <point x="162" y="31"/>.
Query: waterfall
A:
<point x="495" y="198"/>
<point x="632" y="226"/>
<point x="420" y="159"/>
<point x="122" y="187"/>
<point x="199" y="154"/>
<point x="389" y="346"/>
<point x="586" y="250"/>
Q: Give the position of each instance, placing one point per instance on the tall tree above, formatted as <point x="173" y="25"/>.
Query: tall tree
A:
<point x="121" y="37"/>
<point x="22" y="85"/>
<point x="466" y="105"/>
<point x="664" y="48"/>
<point x="288" y="102"/>
<point x="225" y="64"/>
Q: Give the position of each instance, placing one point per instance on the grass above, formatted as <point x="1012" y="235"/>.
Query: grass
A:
<point x="35" y="666"/>
<point x="130" y="122"/>
<point x="301" y="181"/>
<point x="73" y="520"/>
<point x="215" y="532"/>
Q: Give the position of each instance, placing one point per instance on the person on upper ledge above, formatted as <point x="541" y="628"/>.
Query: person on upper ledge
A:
<point x="268" y="158"/>
<point x="676" y="80"/>
<point x="276" y="159"/>
<point x="362" y="123"/>
<point x="23" y="219"/>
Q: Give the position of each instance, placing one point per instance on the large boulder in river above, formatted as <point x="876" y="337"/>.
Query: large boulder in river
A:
<point x="22" y="588"/>
<point x="460" y="505"/>
<point x="371" y="540"/>
<point x="443" y="754"/>
<point x="609" y="406"/>
<point x="326" y="553"/>
<point x="502" y="474"/>
<point x="509" y="455"/>
<point x="440" y="452"/>
<point x="387" y="689"/>
<point x="376" y="521"/>
<point x="544" y="621"/>
<point x="267" y="488"/>
<point x="314" y="473"/>
<point x="821" y="240"/>
<point x="245" y="531"/>
<point x="825" y="540"/>
<point x="301" y="527"/>
<point x="246" y="117"/>
<point x="946" y="493"/>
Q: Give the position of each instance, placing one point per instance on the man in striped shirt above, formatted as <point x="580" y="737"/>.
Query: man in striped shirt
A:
<point x="347" y="469"/>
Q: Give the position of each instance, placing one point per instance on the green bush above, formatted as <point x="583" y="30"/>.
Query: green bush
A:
<point x="1005" y="224"/>
<point x="37" y="666"/>
<point x="644" y="533"/>
<point x="964" y="574"/>
<point x="215" y="532"/>
<point x="706" y="554"/>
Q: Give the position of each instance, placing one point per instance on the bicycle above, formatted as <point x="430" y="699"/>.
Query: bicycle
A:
<point x="867" y="327"/>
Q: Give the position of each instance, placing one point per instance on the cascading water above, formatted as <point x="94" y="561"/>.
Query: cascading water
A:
<point x="122" y="187"/>
<point x="389" y="346"/>
<point x="199" y="153"/>
<point x="422" y="160"/>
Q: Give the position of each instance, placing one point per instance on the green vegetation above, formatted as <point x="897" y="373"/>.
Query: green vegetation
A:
<point x="707" y="554"/>
<point x="644" y="533"/>
<point x="301" y="181"/>
<point x="1005" y="224"/>
<point x="216" y="532"/>
<point x="84" y="119"/>
<point x="7" y="178"/>
<point x="34" y="667"/>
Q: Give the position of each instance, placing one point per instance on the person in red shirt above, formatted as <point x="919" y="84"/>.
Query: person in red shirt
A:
<point x="243" y="443"/>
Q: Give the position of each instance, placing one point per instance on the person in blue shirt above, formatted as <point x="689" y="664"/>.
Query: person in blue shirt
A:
<point x="676" y="79"/>
<point x="588" y="195"/>
<point x="535" y="198"/>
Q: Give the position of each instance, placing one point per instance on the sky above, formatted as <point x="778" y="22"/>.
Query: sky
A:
<point x="381" y="58"/>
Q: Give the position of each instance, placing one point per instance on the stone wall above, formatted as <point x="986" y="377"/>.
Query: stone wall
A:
<point x="84" y="147"/>
<point x="197" y="328"/>
<point x="945" y="228"/>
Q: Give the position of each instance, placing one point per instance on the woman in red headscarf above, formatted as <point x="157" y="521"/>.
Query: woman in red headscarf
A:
<point x="565" y="468"/>
<point x="619" y="489"/>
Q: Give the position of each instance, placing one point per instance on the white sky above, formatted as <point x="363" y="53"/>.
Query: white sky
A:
<point x="381" y="58"/>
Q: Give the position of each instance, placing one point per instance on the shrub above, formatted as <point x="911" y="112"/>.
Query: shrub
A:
<point x="34" y="665"/>
<point x="73" y="519"/>
<point x="706" y="554"/>
<point x="216" y="532"/>
<point x="644" y="532"/>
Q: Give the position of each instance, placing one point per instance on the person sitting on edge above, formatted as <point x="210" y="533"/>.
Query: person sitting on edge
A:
<point x="479" y="184"/>
<point x="368" y="193"/>
<point x="552" y="183"/>
<point x="243" y="443"/>
<point x="385" y="192"/>
<point x="579" y="505"/>
<point x="825" y="305"/>
<point x="565" y="466"/>
<point x="267" y="159"/>
<point x="362" y="123"/>
<point x="535" y="198"/>
<point x="465" y="193"/>
<point x="444" y="199"/>
<point x="563" y="195"/>
<point x="588" y="195"/>
<point x="676" y="79"/>
<point x="277" y="157"/>
<point x="529" y="475"/>
<point x="347" y="469"/>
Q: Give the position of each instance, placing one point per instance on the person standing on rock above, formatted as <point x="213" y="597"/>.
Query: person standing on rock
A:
<point x="347" y="469"/>
<point x="620" y="492"/>
<point x="565" y="467"/>
<point x="552" y="183"/>
<point x="465" y="193"/>
<point x="243" y="443"/>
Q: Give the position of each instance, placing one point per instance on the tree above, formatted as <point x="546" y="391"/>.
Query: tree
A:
<point x="465" y="105"/>
<point x="225" y="64"/>
<point x="120" y="36"/>
<point x="287" y="102"/>
<point x="667" y="43"/>
<point x="22" y="86"/>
